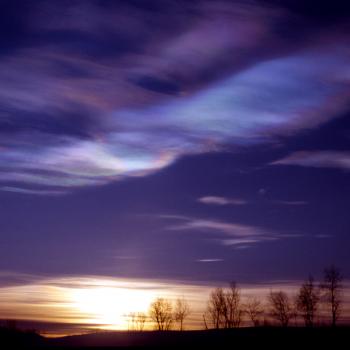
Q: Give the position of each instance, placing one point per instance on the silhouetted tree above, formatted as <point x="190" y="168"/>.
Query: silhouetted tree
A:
<point x="131" y="320"/>
<point x="161" y="314"/>
<point x="141" y="319"/>
<point x="205" y="322"/>
<point x="332" y="287"/>
<point x="138" y="320"/>
<point x="224" y="307"/>
<point x="232" y="310"/>
<point x="307" y="301"/>
<point x="254" y="310"/>
<point x="182" y="310"/>
<point x="216" y="308"/>
<point x="281" y="308"/>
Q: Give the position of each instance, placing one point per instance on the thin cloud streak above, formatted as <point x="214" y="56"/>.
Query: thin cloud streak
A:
<point x="209" y="260"/>
<point x="31" y="191"/>
<point x="215" y="200"/>
<point x="231" y="229"/>
<point x="227" y="233"/>
<point x="317" y="159"/>
<point x="292" y="203"/>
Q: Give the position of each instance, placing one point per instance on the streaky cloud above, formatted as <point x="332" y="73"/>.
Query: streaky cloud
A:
<point x="317" y="159"/>
<point x="227" y="233"/>
<point x="227" y="228"/>
<point x="292" y="203"/>
<point x="32" y="191"/>
<point x="215" y="200"/>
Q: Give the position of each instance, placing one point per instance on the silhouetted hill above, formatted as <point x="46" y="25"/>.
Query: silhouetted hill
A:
<point x="274" y="338"/>
<point x="16" y="339"/>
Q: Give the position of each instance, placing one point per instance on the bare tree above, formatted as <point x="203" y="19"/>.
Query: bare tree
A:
<point x="224" y="308"/>
<point x="182" y="310"/>
<point x="141" y="320"/>
<point x="332" y="287"/>
<point x="254" y="310"/>
<point x="232" y="308"/>
<point x="205" y="322"/>
<point x="281" y="307"/>
<point x="216" y="308"/>
<point x="131" y="320"/>
<point x="138" y="320"/>
<point x="161" y="314"/>
<point x="307" y="301"/>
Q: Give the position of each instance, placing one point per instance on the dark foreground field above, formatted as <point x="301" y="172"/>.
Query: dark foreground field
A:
<point x="274" y="338"/>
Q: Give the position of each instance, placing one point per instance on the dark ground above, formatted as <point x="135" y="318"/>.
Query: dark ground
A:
<point x="273" y="338"/>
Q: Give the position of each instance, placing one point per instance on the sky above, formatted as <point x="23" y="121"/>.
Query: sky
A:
<point x="193" y="142"/>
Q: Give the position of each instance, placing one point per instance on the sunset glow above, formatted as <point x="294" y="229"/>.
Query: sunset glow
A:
<point x="110" y="306"/>
<point x="92" y="303"/>
<point x="173" y="165"/>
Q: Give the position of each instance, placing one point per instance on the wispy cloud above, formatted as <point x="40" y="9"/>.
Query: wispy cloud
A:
<point x="32" y="191"/>
<point x="245" y="242"/>
<point x="322" y="236"/>
<point x="227" y="233"/>
<point x="317" y="159"/>
<point x="292" y="203"/>
<point x="227" y="228"/>
<point x="215" y="200"/>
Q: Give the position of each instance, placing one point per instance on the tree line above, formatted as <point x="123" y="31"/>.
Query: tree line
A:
<point x="163" y="314"/>
<point x="226" y="309"/>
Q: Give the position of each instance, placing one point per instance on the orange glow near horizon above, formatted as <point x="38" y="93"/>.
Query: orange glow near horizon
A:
<point x="86" y="303"/>
<point x="93" y="302"/>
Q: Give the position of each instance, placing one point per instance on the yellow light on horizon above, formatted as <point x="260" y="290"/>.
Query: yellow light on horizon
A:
<point x="110" y="306"/>
<point x="77" y="304"/>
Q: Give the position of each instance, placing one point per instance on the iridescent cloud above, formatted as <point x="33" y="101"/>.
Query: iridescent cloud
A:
<point x="90" y="101"/>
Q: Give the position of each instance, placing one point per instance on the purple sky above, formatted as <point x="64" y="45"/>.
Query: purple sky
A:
<point x="185" y="140"/>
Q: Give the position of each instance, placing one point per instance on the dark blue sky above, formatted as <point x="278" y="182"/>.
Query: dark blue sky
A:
<point x="197" y="141"/>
